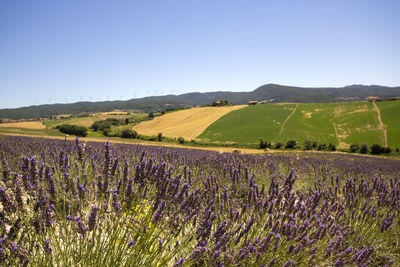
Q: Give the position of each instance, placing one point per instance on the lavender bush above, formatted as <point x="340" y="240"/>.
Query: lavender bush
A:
<point x="76" y="204"/>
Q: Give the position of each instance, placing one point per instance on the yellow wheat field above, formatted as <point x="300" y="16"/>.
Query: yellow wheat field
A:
<point x="188" y="123"/>
<point x="26" y="124"/>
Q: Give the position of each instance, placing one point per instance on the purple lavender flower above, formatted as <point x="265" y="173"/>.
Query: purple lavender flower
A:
<point x="92" y="220"/>
<point x="47" y="247"/>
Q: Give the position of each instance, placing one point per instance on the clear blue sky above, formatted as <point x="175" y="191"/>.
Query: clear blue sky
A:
<point x="67" y="51"/>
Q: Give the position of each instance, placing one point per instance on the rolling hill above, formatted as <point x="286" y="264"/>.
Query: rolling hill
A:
<point x="270" y="92"/>
<point x="339" y="123"/>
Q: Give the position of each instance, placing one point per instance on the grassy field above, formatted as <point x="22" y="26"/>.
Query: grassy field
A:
<point x="249" y="124"/>
<point x="310" y="121"/>
<point x="358" y="123"/>
<point x="84" y="121"/>
<point x="339" y="123"/>
<point x="390" y="112"/>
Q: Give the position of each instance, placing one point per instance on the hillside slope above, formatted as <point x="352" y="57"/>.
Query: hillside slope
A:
<point x="339" y="123"/>
<point x="187" y="123"/>
<point x="271" y="92"/>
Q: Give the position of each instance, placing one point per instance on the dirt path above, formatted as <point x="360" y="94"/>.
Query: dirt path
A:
<point x="381" y="124"/>
<point x="284" y="122"/>
<point x="341" y="143"/>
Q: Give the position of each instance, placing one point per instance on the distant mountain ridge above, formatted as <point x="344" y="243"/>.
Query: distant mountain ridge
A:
<point x="271" y="92"/>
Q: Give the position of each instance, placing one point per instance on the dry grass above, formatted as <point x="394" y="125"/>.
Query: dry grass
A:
<point x="188" y="123"/>
<point x="37" y="125"/>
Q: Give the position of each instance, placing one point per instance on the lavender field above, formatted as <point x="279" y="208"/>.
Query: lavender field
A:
<point x="66" y="203"/>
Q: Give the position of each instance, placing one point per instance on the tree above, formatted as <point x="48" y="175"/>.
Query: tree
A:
<point x="264" y="144"/>
<point x="101" y="125"/>
<point x="309" y="144"/>
<point x="181" y="140"/>
<point x="73" y="129"/>
<point x="387" y="150"/>
<point x="331" y="147"/>
<point x="364" y="149"/>
<point x="354" y="148"/>
<point x="106" y="131"/>
<point x="151" y="115"/>
<point x="126" y="120"/>
<point x="278" y="145"/>
<point x="159" y="137"/>
<point x="321" y="147"/>
<point x="128" y="133"/>
<point x="220" y="103"/>
<point x="376" y="149"/>
<point x="291" y="144"/>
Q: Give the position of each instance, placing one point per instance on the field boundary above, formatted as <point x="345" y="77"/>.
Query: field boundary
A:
<point x="210" y="148"/>
<point x="284" y="122"/>
<point x="381" y="124"/>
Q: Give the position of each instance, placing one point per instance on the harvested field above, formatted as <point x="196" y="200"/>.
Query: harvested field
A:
<point x="27" y="125"/>
<point x="188" y="123"/>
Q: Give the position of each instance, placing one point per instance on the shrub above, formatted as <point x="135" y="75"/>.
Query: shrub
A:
<point x="331" y="147"/>
<point x="128" y="133"/>
<point x="220" y="103"/>
<point x="73" y="129"/>
<point x="101" y="125"/>
<point x="106" y="131"/>
<point x="387" y="150"/>
<point x="354" y="148"/>
<point x="376" y="149"/>
<point x="278" y="145"/>
<point x="309" y="144"/>
<point x="364" y="149"/>
<point x="264" y="144"/>
<point x="181" y="140"/>
<point x="321" y="147"/>
<point x="291" y="144"/>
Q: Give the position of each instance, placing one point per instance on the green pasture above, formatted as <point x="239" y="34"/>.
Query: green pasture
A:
<point x="85" y="121"/>
<point x="357" y="122"/>
<point x="310" y="121"/>
<point x="249" y="124"/>
<point x="339" y="123"/>
<point x="390" y="113"/>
